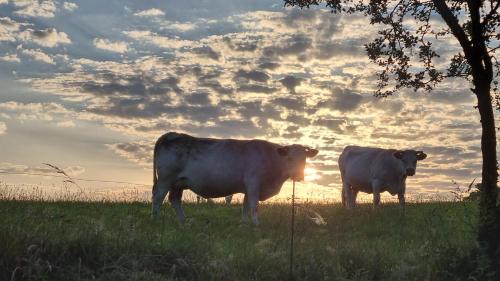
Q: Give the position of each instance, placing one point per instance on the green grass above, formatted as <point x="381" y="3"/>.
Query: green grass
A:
<point x="119" y="241"/>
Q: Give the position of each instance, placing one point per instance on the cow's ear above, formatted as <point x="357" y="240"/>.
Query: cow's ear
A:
<point x="311" y="152"/>
<point x="283" y="151"/>
<point x="398" y="154"/>
<point x="421" y="155"/>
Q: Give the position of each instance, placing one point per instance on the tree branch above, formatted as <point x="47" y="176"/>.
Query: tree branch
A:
<point x="455" y="27"/>
<point x="480" y="52"/>
<point x="490" y="15"/>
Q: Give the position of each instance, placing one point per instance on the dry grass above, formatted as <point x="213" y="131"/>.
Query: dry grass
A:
<point x="84" y="236"/>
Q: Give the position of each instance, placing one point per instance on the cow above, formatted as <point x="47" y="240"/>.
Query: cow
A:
<point x="221" y="167"/>
<point x="375" y="170"/>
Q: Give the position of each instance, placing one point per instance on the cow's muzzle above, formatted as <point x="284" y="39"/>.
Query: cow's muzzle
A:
<point x="410" y="172"/>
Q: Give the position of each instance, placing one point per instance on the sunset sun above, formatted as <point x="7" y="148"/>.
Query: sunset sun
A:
<point x="311" y="174"/>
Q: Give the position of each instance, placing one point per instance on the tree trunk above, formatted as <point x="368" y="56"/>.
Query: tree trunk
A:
<point x="489" y="214"/>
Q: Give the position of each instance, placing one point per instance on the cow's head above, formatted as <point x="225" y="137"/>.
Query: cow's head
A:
<point x="295" y="156"/>
<point x="409" y="159"/>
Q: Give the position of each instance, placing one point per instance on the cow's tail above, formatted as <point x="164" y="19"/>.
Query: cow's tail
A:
<point x="166" y="137"/>
<point x="155" y="175"/>
<point x="341" y="162"/>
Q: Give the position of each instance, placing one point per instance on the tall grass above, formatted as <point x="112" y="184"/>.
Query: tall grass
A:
<point x="108" y="240"/>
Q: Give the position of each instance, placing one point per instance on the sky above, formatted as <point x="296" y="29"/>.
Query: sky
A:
<point x="90" y="85"/>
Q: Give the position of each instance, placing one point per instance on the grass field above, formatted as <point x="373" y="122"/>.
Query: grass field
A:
<point x="119" y="241"/>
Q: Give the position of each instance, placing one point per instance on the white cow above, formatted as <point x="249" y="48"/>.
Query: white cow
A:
<point x="375" y="170"/>
<point x="220" y="167"/>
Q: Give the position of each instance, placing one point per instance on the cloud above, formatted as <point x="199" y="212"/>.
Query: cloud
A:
<point x="38" y="55"/>
<point x="66" y="124"/>
<point x="198" y="99"/>
<point x="72" y="171"/>
<point x="9" y="29"/>
<point x="292" y="103"/>
<point x="69" y="6"/>
<point x="290" y="82"/>
<point x="327" y="50"/>
<point x="11" y="58"/>
<point x="295" y="44"/>
<point x="254" y="75"/>
<point x="292" y="132"/>
<point x="246" y="44"/>
<point x="448" y="95"/>
<point x="158" y="40"/>
<point x="49" y="37"/>
<point x="45" y="9"/>
<point x="206" y="51"/>
<point x="139" y="152"/>
<point x="179" y="26"/>
<point x="332" y="124"/>
<point x="35" y="111"/>
<point x="254" y="88"/>
<point x="269" y="65"/>
<point x="3" y="128"/>
<point x="154" y="12"/>
<point x="105" y="44"/>
<point x="343" y="100"/>
<point x="33" y="107"/>
<point x="287" y="75"/>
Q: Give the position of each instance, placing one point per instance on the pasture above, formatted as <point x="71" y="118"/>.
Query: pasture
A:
<point x="66" y="240"/>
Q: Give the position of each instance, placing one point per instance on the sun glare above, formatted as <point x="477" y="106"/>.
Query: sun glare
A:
<point x="311" y="174"/>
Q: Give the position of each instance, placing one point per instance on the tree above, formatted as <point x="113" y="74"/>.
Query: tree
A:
<point x="404" y="51"/>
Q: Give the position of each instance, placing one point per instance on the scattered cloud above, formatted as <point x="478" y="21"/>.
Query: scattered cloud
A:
<point x="139" y="152"/>
<point x="69" y="6"/>
<point x="34" y="111"/>
<point x="72" y="171"/>
<point x="207" y="51"/>
<point x="66" y="124"/>
<point x="158" y="40"/>
<point x="49" y="37"/>
<point x="153" y="12"/>
<point x="38" y="55"/>
<point x="105" y="44"/>
<point x="9" y="29"/>
<point x="11" y="58"/>
<point x="44" y="9"/>
<point x="3" y="128"/>
<point x="290" y="82"/>
<point x="287" y="76"/>
<point x="254" y="75"/>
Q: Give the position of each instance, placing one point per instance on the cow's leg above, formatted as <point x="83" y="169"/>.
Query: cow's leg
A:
<point x="344" y="202"/>
<point x="253" y="202"/>
<point x="346" y="196"/>
<point x="175" y="198"/>
<point x="354" y="195"/>
<point x="376" y="186"/>
<point x="245" y="208"/>
<point x="401" y="198"/>
<point x="160" y="190"/>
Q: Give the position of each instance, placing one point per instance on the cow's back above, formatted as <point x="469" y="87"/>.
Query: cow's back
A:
<point x="213" y="167"/>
